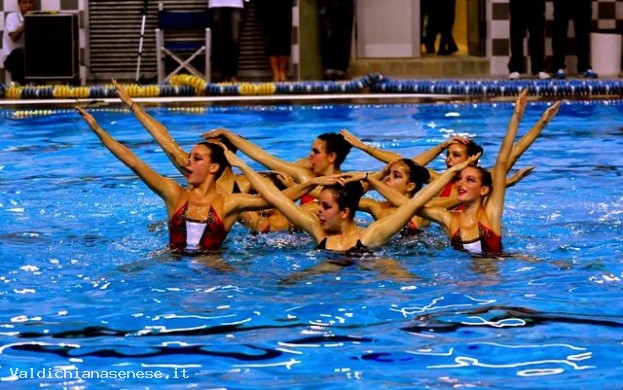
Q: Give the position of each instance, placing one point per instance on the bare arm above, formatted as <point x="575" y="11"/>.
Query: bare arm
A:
<point x="519" y="176"/>
<point x="166" y="188"/>
<point x="393" y="196"/>
<point x="176" y="154"/>
<point x="281" y="202"/>
<point x="379" y="154"/>
<point x="17" y="33"/>
<point x="371" y="207"/>
<point x="382" y="230"/>
<point x="258" y="154"/>
<point x="495" y="202"/>
<point x="432" y="153"/>
<point x="524" y="143"/>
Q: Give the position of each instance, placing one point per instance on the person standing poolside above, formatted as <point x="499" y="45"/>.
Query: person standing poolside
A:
<point x="277" y="20"/>
<point x="477" y="227"/>
<point x="199" y="216"/>
<point x="446" y="18"/>
<point x="226" y="27"/>
<point x="580" y="12"/>
<point x="333" y="227"/>
<point x="527" y="15"/>
<point x="13" y="40"/>
<point x="335" y="19"/>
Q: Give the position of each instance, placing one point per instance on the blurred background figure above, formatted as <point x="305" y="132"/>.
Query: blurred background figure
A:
<point x="336" y="34"/>
<point x="276" y="18"/>
<point x="580" y="11"/>
<point x="226" y="27"/>
<point x="13" y="41"/>
<point x="527" y="15"/>
<point x="447" y="15"/>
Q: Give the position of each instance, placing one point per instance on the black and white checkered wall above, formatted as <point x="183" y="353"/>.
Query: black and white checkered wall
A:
<point x="607" y="14"/>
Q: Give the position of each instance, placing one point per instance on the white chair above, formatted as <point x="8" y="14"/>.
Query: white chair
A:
<point x="182" y="36"/>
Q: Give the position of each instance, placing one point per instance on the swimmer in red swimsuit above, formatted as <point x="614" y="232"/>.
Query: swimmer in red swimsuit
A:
<point x="458" y="150"/>
<point x="228" y="181"/>
<point x="199" y="215"/>
<point x="478" y="226"/>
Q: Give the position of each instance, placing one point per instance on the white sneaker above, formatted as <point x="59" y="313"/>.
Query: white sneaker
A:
<point x="514" y="75"/>
<point x="544" y="76"/>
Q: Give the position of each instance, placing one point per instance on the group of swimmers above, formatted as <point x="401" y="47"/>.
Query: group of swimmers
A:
<point x="313" y="195"/>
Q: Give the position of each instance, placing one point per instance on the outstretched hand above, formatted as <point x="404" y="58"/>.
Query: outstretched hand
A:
<point x="122" y="93"/>
<point x="521" y="102"/>
<point x="216" y="133"/>
<point x="328" y="180"/>
<point x="231" y="157"/>
<point x="87" y="117"/>
<point x="285" y="179"/>
<point x="550" y="112"/>
<point x="469" y="161"/>
<point x="519" y="176"/>
<point x="351" y="139"/>
<point x="455" y="139"/>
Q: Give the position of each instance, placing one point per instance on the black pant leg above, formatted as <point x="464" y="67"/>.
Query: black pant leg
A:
<point x="559" y="35"/>
<point x="582" y="12"/>
<point x="518" y="17"/>
<point x="536" y="30"/>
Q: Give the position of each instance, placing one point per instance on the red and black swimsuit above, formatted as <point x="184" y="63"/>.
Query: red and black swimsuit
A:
<point x="213" y="235"/>
<point x="487" y="242"/>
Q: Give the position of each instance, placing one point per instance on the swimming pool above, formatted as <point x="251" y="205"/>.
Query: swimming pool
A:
<point x="90" y="299"/>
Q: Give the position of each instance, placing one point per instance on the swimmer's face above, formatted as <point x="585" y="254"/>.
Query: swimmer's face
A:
<point x="457" y="153"/>
<point x="329" y="213"/>
<point x="469" y="185"/>
<point x="199" y="165"/>
<point x="398" y="178"/>
<point x="321" y="161"/>
<point x="25" y="6"/>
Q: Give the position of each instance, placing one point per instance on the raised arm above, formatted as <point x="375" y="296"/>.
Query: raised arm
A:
<point x="261" y="156"/>
<point x="380" y="154"/>
<point x="524" y="143"/>
<point x="495" y="201"/>
<point x="429" y="155"/>
<point x="519" y="176"/>
<point x="382" y="230"/>
<point x="281" y="202"/>
<point x="157" y="130"/>
<point x="394" y="197"/>
<point x="164" y="187"/>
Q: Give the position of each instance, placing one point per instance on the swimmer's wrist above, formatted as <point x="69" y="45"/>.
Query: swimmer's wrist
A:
<point x="132" y="107"/>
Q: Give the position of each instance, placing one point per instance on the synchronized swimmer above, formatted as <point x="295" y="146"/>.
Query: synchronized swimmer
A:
<point x="466" y="200"/>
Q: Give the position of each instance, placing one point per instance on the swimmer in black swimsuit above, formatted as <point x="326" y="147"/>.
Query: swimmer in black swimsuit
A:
<point x="334" y="223"/>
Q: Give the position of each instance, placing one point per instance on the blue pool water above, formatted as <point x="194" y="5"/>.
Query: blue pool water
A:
<point x="90" y="299"/>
